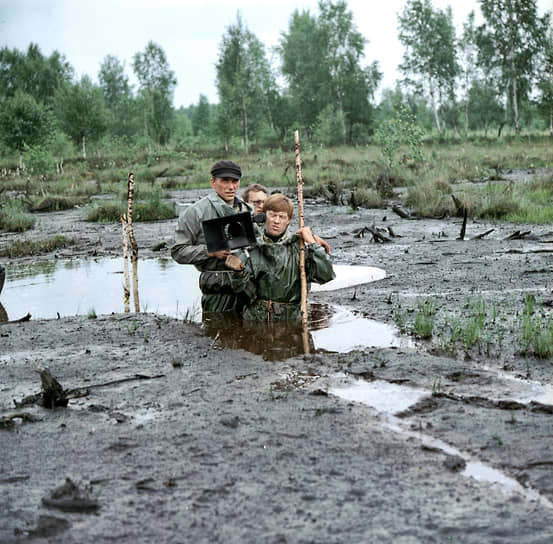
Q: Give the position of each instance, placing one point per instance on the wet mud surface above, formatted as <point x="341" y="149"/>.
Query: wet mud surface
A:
<point x="169" y="436"/>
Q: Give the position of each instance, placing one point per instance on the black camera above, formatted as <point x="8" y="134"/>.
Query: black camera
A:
<point x="229" y="232"/>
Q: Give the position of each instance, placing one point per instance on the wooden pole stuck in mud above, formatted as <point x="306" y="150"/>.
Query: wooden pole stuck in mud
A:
<point x="134" y="245"/>
<point x="303" y="276"/>
<point x="127" y="284"/>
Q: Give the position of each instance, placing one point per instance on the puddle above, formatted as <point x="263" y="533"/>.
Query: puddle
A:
<point x="524" y="390"/>
<point x="389" y="399"/>
<point x="77" y="287"/>
<point x="351" y="332"/>
<point x="330" y="328"/>
<point x="49" y="290"/>
<point x="350" y="276"/>
<point x="382" y="396"/>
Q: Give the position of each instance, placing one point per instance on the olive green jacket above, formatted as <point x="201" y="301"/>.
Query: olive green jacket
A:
<point x="217" y="283"/>
<point x="271" y="279"/>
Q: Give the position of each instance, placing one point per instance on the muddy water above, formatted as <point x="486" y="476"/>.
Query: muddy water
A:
<point x="49" y="290"/>
<point x="59" y="289"/>
<point x="389" y="399"/>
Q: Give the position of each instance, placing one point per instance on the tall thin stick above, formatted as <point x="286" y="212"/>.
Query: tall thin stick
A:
<point x="127" y="284"/>
<point x="303" y="277"/>
<point x="134" y="245"/>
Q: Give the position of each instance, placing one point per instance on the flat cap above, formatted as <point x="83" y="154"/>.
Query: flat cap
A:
<point x="226" y="169"/>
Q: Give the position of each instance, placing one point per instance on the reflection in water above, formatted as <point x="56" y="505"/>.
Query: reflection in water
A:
<point x="77" y="287"/>
<point x="330" y="329"/>
<point x="275" y="341"/>
<point x="49" y="290"/>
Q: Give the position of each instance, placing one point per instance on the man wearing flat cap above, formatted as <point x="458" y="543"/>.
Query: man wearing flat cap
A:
<point x="216" y="281"/>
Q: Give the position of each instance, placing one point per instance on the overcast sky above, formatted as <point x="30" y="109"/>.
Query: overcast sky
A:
<point x="189" y="31"/>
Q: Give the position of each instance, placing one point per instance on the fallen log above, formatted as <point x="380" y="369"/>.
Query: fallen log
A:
<point x="378" y="236"/>
<point x="480" y="236"/>
<point x="401" y="212"/>
<point x="518" y="235"/>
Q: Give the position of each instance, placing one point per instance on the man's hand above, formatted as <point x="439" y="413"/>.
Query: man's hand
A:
<point x="232" y="261"/>
<point x="306" y="234"/>
<point x="222" y="254"/>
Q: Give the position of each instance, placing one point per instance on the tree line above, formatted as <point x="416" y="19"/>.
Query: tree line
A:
<point x="488" y="76"/>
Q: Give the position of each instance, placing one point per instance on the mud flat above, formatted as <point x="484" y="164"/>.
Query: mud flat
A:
<point x="169" y="437"/>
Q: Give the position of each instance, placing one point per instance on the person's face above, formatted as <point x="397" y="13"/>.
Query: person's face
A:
<point x="276" y="222"/>
<point x="257" y="199"/>
<point x="226" y="188"/>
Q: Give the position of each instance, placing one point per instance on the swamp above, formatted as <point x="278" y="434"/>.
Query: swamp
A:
<point x="422" y="411"/>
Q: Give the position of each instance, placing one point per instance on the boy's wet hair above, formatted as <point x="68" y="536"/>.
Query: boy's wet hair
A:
<point x="279" y="203"/>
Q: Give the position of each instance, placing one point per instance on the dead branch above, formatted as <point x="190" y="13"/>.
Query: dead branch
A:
<point x="8" y="421"/>
<point x="401" y="212"/>
<point x="464" y="226"/>
<point x="378" y="236"/>
<point x="460" y="208"/>
<point x="518" y="235"/>
<point x="480" y="236"/>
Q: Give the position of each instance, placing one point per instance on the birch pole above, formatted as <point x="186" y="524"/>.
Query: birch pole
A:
<point x="134" y="245"/>
<point x="127" y="284"/>
<point x="303" y="276"/>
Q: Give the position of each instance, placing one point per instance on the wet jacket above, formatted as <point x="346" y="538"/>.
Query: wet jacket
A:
<point x="271" y="277"/>
<point x="217" y="283"/>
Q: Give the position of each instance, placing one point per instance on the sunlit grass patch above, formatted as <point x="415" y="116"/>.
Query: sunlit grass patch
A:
<point x="24" y="248"/>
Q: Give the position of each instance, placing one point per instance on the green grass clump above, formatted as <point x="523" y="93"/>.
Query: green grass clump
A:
<point x="54" y="203"/>
<point x="13" y="217"/>
<point x="536" y="337"/>
<point x="423" y="326"/>
<point x="153" y="209"/>
<point x="23" y="248"/>
<point x="107" y="212"/>
<point x="430" y="198"/>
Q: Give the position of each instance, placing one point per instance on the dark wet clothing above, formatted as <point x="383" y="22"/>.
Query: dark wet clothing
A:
<point x="271" y="277"/>
<point x="217" y="283"/>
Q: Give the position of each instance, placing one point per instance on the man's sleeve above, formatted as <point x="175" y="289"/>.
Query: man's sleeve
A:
<point x="187" y="250"/>
<point x="319" y="265"/>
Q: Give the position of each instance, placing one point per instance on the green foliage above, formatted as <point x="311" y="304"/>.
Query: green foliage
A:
<point x="81" y="112"/>
<point x="429" y="59"/>
<point x="509" y="41"/>
<point x="329" y="129"/>
<point x="321" y="61"/>
<point x="32" y="73"/>
<point x="398" y="131"/>
<point x="39" y="160"/>
<point x="244" y="83"/>
<point x="157" y="83"/>
<point x="23" y="121"/>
